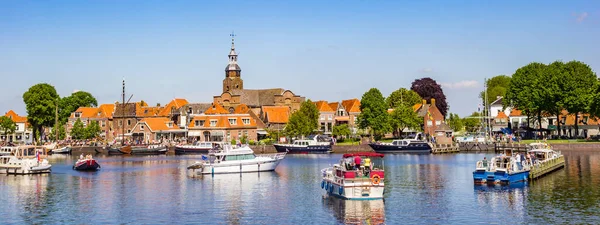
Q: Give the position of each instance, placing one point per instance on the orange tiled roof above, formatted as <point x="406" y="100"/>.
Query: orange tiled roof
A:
<point x="15" y="117"/>
<point x="515" y="112"/>
<point x="216" y="109"/>
<point x="86" y="112"/>
<point x="334" y="105"/>
<point x="277" y="114"/>
<point x="222" y="121"/>
<point x="175" y="103"/>
<point x="571" y="119"/>
<point x="351" y="105"/>
<point x="417" y="106"/>
<point x="322" y="106"/>
<point x="106" y="110"/>
<point x="146" y="111"/>
<point x="241" y="109"/>
<point x="159" y="123"/>
<point x="501" y="115"/>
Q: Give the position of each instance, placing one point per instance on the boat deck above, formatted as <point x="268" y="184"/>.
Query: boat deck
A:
<point x="445" y="148"/>
<point x="547" y="167"/>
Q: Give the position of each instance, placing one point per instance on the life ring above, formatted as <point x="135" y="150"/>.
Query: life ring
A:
<point x="322" y="184"/>
<point x="341" y="190"/>
<point x="375" y="179"/>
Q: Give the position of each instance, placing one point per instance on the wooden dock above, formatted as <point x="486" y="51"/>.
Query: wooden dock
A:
<point x="515" y="147"/>
<point x="546" y="167"/>
<point x="445" y="148"/>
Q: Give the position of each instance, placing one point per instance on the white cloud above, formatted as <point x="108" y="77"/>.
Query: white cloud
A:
<point x="461" y="84"/>
<point x="581" y="16"/>
<point x="427" y="70"/>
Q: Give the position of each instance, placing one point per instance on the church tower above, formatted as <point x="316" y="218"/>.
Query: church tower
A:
<point x="233" y="79"/>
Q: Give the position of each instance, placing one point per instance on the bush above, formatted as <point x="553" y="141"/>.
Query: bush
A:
<point x="233" y="142"/>
<point x="252" y="142"/>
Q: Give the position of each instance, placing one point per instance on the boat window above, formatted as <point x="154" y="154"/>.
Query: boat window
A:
<point x="394" y="142"/>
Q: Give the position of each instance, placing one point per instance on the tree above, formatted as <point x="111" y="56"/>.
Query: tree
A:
<point x="78" y="131"/>
<point x="402" y="96"/>
<point x="578" y="81"/>
<point x="595" y="102"/>
<point x="62" y="134"/>
<point x="455" y="122"/>
<point x="496" y="86"/>
<point x="341" y="130"/>
<point x="404" y="117"/>
<point x="7" y="125"/>
<point x="92" y="130"/>
<point x="70" y="104"/>
<point x="40" y="103"/>
<point x="374" y="113"/>
<point x="428" y="88"/>
<point x="525" y="91"/>
<point x="304" y="121"/>
<point x="472" y="123"/>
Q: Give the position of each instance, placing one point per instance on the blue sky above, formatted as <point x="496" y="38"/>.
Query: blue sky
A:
<point x="324" y="50"/>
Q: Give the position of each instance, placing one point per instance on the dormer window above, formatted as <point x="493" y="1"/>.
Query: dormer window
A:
<point x="170" y="124"/>
<point x="232" y="121"/>
<point x="213" y="123"/>
<point x="563" y="120"/>
<point x="142" y="127"/>
<point x="145" y="111"/>
<point x="190" y="110"/>
<point x="585" y="120"/>
<point x="99" y="113"/>
<point x="199" y="123"/>
<point x="77" y="114"/>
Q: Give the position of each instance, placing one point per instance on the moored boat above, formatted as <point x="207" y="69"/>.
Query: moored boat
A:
<point x="144" y="150"/>
<point x="27" y="159"/>
<point x="357" y="176"/>
<point x="313" y="144"/>
<point x="402" y="146"/>
<point x="544" y="159"/>
<point x="86" y="164"/>
<point x="62" y="150"/>
<point x="7" y="150"/>
<point x="506" y="168"/>
<point x="227" y="159"/>
<point x="195" y="148"/>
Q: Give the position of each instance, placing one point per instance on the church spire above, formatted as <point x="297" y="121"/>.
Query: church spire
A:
<point x="232" y="66"/>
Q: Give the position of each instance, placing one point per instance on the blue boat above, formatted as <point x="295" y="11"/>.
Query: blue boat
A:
<point x="507" y="168"/>
<point x="315" y="144"/>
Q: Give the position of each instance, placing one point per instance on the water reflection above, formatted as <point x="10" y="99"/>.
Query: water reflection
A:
<point x="356" y="211"/>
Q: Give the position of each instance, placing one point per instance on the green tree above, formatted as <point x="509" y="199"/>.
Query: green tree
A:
<point x="62" y="133"/>
<point x="472" y="123"/>
<point x="92" y="130"/>
<point x="525" y="91"/>
<point x="554" y="89"/>
<point x="78" y="131"/>
<point x="7" y="125"/>
<point x="40" y="102"/>
<point x="70" y="104"/>
<point x="304" y="121"/>
<point x="496" y="86"/>
<point x="341" y="130"/>
<point x="404" y="117"/>
<point x="595" y="102"/>
<point x="455" y="122"/>
<point x="402" y="96"/>
<point x="578" y="81"/>
<point x="374" y="115"/>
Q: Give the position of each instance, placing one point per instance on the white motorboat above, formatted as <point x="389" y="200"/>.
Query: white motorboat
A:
<point x="62" y="150"/>
<point x="7" y="150"/>
<point x="228" y="159"/>
<point x="27" y="159"/>
<point x="355" y="177"/>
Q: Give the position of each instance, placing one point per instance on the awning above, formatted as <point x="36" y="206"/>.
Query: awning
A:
<point x="216" y="133"/>
<point x="172" y="131"/>
<point x="195" y="133"/>
<point x="264" y="132"/>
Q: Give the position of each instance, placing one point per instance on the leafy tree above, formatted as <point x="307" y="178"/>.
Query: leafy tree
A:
<point x="496" y="86"/>
<point x="374" y="113"/>
<point x="92" y="130"/>
<point x="428" y="88"/>
<point x="341" y="130"/>
<point x="304" y="121"/>
<point x="70" y="104"/>
<point x="525" y="91"/>
<point x="595" y="102"/>
<point x="403" y="117"/>
<point x="7" y="125"/>
<point x="554" y="89"/>
<point x="402" y="96"/>
<point x="62" y="133"/>
<point x="455" y="122"/>
<point x="578" y="81"/>
<point x="40" y="102"/>
<point x="472" y="123"/>
<point x="78" y="131"/>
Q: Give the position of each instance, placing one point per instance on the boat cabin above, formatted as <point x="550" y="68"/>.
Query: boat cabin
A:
<point x="360" y="165"/>
<point x="7" y="150"/>
<point x="227" y="152"/>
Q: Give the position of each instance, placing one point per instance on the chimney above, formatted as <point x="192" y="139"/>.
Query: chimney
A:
<point x="424" y="101"/>
<point x="432" y="101"/>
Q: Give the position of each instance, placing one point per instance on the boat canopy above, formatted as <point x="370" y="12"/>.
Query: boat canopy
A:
<point x="363" y="154"/>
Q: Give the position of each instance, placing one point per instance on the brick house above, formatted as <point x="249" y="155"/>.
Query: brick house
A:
<point x="155" y="129"/>
<point x="326" y="117"/>
<point x="275" y="117"/>
<point x="432" y="117"/>
<point x="22" y="132"/>
<point x="222" y="127"/>
<point x="102" y="114"/>
<point x="349" y="113"/>
<point x="337" y="113"/>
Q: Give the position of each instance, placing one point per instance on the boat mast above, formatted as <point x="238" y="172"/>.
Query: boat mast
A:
<point x="56" y="122"/>
<point x="123" y="115"/>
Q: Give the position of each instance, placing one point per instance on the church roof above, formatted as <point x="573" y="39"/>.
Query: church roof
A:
<point x="257" y="97"/>
<point x="232" y="67"/>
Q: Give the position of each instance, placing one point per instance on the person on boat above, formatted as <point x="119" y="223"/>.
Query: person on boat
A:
<point x="81" y="156"/>
<point x="484" y="163"/>
<point x="357" y="161"/>
<point x="367" y="165"/>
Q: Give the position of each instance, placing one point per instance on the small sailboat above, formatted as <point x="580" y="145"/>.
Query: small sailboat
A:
<point x="144" y="150"/>
<point x="86" y="164"/>
<point x="62" y="150"/>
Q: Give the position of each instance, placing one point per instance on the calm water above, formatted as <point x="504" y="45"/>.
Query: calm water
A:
<point x="419" y="189"/>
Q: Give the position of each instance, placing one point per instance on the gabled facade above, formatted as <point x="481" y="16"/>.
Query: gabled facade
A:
<point x="351" y="110"/>
<point x="156" y="129"/>
<point x="222" y="127"/>
<point x="22" y="132"/>
<point x="432" y="117"/>
<point x="275" y="117"/>
<point x="326" y="117"/>
<point x="103" y="114"/>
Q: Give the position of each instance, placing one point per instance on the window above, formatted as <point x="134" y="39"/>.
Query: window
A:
<point x="429" y="123"/>
<point x="103" y="123"/>
<point x="239" y="133"/>
<point x="120" y="123"/>
<point x="199" y="123"/>
<point x="341" y="112"/>
<point x="128" y="131"/>
<point x="233" y="121"/>
<point x="99" y="113"/>
<point x="585" y="120"/>
<point x="145" y="111"/>
<point x="128" y="122"/>
<point x="322" y="117"/>
<point x="213" y="123"/>
<point x="563" y="120"/>
<point x="77" y="114"/>
<point x="246" y="133"/>
<point x="141" y="127"/>
<point x="190" y="110"/>
<point x="438" y="122"/>
<point x="246" y="121"/>
<point x="328" y="117"/>
<point x="170" y="124"/>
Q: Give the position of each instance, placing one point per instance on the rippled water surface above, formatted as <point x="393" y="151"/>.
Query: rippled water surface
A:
<point x="420" y="189"/>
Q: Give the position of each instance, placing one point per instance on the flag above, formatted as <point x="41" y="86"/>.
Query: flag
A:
<point x="429" y="114"/>
<point x="37" y="155"/>
<point x="204" y="157"/>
